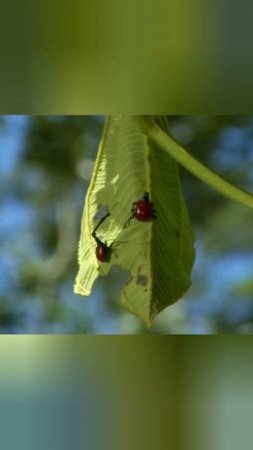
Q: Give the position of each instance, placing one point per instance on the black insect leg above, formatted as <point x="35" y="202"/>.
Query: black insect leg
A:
<point x="153" y="214"/>
<point x="127" y="223"/>
<point x="98" y="225"/>
<point x="132" y="212"/>
<point x="98" y="241"/>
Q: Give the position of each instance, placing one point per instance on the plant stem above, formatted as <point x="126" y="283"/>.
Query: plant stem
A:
<point x="183" y="157"/>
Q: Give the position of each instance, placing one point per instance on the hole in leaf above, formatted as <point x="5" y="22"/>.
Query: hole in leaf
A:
<point x="142" y="280"/>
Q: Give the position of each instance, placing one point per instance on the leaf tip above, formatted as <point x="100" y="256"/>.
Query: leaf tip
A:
<point x="78" y="289"/>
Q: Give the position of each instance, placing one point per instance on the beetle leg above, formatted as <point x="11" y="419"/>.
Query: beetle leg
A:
<point x="100" y="222"/>
<point x="132" y="212"/>
<point x="98" y="241"/>
<point x="127" y="223"/>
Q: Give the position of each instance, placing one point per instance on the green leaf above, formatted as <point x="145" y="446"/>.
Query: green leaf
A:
<point x="158" y="254"/>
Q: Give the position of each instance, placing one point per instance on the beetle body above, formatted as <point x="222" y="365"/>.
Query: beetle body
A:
<point x="103" y="252"/>
<point x="143" y="210"/>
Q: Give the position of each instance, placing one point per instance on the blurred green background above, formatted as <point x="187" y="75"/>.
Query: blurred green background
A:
<point x="62" y="392"/>
<point x="213" y="392"/>
<point x="45" y="167"/>
<point x="111" y="392"/>
<point x="97" y="57"/>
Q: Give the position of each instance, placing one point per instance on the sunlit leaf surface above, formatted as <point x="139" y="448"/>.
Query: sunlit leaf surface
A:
<point x="159" y="254"/>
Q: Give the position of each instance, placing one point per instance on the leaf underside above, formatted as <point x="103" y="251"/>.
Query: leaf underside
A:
<point x="159" y="254"/>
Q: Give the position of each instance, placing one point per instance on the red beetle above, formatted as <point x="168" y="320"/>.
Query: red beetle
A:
<point x="103" y="251"/>
<point x="143" y="210"/>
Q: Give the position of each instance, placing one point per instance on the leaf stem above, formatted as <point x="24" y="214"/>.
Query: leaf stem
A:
<point x="193" y="165"/>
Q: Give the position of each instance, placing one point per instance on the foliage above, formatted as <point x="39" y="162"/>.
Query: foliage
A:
<point x="40" y="225"/>
<point x="158" y="254"/>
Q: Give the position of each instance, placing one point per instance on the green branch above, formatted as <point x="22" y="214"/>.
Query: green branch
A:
<point x="193" y="165"/>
